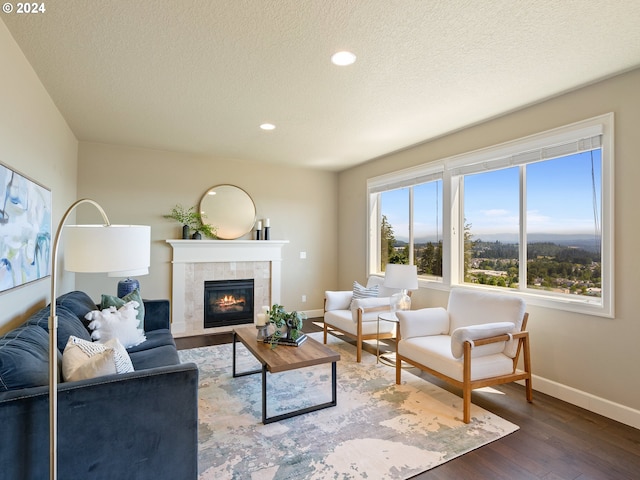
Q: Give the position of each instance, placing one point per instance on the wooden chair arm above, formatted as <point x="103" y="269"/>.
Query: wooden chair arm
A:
<point x="380" y="308"/>
<point x="500" y="338"/>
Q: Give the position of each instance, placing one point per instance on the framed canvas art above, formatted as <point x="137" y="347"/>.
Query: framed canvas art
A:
<point x="25" y="229"/>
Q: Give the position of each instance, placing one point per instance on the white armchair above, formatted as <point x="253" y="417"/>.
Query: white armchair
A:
<point x="474" y="343"/>
<point x="358" y="319"/>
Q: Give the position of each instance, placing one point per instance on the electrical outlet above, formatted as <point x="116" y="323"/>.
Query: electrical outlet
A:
<point x="304" y="298"/>
<point x="303" y="255"/>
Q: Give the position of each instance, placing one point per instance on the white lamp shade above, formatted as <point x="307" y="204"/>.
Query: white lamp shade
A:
<point x="401" y="276"/>
<point x="107" y="248"/>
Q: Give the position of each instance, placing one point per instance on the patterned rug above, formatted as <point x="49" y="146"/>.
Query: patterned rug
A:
<point x="378" y="430"/>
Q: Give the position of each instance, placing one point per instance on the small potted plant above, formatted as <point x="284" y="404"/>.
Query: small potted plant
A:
<point x="191" y="220"/>
<point x="288" y="325"/>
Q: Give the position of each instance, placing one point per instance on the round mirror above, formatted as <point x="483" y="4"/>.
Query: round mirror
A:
<point x="229" y="209"/>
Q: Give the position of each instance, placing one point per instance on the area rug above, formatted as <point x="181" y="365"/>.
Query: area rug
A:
<point x="378" y="430"/>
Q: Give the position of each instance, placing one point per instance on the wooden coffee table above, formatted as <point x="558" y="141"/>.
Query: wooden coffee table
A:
<point x="281" y="359"/>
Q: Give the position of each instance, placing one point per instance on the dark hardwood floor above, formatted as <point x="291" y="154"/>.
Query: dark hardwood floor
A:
<point x="556" y="440"/>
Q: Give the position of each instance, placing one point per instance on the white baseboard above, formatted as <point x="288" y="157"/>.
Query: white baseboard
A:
<point x="601" y="406"/>
<point x="314" y="313"/>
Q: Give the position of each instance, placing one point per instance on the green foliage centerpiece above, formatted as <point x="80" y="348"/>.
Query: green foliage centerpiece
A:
<point x="191" y="220"/>
<point x="288" y="327"/>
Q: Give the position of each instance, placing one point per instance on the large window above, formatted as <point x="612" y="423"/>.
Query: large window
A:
<point x="534" y="216"/>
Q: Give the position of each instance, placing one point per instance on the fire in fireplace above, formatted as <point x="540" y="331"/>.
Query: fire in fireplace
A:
<point x="228" y="302"/>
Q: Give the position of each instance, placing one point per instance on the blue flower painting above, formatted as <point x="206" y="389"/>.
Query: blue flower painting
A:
<point x="25" y="230"/>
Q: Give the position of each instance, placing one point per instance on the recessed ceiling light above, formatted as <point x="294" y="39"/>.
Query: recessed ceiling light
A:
<point x="343" y="58"/>
<point x="267" y="126"/>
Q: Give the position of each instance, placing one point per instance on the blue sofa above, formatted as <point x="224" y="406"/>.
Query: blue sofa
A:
<point x="138" y="425"/>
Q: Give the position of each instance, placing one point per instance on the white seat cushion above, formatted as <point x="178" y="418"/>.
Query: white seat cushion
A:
<point x="435" y="352"/>
<point x="343" y="320"/>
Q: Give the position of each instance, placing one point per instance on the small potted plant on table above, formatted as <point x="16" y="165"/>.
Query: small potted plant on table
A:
<point x="288" y="327"/>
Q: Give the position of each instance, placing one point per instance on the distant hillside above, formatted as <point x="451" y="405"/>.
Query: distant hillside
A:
<point x="583" y="241"/>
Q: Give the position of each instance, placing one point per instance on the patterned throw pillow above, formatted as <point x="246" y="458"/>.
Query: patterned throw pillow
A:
<point x="363" y="292"/>
<point x="82" y="359"/>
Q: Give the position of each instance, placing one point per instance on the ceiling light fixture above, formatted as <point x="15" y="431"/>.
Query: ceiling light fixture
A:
<point x="343" y="58"/>
<point x="267" y="126"/>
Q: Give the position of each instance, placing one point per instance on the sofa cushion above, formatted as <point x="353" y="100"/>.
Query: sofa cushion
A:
<point x="68" y="324"/>
<point x="113" y="301"/>
<point x="82" y="360"/>
<point x="78" y="302"/>
<point x="156" y="357"/>
<point x="155" y="338"/>
<point x="24" y="358"/>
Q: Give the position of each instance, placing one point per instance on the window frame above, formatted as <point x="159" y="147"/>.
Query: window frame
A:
<point x="452" y="171"/>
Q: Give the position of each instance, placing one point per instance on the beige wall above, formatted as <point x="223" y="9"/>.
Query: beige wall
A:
<point x="139" y="186"/>
<point x="598" y="357"/>
<point x="35" y="141"/>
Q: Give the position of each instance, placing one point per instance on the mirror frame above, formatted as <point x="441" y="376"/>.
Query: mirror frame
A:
<point x="246" y="220"/>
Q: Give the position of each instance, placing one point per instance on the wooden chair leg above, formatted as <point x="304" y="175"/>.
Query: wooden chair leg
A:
<point x="527" y="368"/>
<point x="325" y="333"/>
<point x="398" y="370"/>
<point x="466" y="388"/>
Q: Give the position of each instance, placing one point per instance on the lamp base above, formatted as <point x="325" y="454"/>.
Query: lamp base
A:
<point x="125" y="287"/>
<point x="400" y="301"/>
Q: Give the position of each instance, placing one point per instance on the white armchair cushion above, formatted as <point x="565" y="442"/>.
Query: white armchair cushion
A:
<point x="383" y="291"/>
<point x="471" y="307"/>
<point x="475" y="332"/>
<point x="368" y="303"/>
<point x="337" y="300"/>
<point x="423" y="322"/>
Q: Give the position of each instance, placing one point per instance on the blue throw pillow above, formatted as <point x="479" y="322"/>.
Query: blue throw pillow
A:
<point x="24" y="358"/>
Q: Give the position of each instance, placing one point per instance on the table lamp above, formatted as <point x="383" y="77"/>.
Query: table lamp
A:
<point x="403" y="277"/>
<point x="89" y="248"/>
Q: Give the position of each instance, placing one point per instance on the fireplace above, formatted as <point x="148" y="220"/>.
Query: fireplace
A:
<point x="228" y="302"/>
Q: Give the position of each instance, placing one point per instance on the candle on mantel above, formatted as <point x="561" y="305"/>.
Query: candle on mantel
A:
<point x="265" y="309"/>
<point x="259" y="226"/>
<point x="261" y="320"/>
<point x="266" y="223"/>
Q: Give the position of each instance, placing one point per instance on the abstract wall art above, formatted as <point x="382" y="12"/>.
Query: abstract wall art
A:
<point x="25" y="230"/>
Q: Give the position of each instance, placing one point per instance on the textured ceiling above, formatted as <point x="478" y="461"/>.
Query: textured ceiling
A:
<point x="200" y="76"/>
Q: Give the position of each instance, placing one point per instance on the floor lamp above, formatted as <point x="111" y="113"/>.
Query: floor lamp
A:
<point x="89" y="248"/>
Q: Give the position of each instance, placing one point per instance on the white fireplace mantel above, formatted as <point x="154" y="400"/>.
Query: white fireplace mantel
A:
<point x="187" y="252"/>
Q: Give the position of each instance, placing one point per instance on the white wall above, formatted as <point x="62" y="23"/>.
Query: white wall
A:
<point x="587" y="360"/>
<point x="35" y="141"/>
<point x="139" y="186"/>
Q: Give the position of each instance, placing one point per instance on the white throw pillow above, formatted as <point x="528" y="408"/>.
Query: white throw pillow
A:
<point x="82" y="359"/>
<point x="121" y="324"/>
<point x="476" y="332"/>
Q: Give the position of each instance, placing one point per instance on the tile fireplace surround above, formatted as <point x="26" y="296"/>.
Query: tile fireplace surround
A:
<point x="195" y="261"/>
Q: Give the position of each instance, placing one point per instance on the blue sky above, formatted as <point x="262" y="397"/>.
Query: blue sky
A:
<point x="559" y="200"/>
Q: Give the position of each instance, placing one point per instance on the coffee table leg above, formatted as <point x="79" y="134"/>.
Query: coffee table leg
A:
<point x="264" y="395"/>
<point x="233" y="361"/>
<point x="295" y="413"/>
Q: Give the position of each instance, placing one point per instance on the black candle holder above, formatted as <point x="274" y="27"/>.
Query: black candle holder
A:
<point x="266" y="232"/>
<point x="258" y="234"/>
